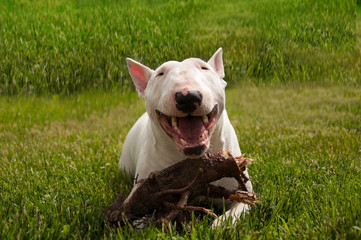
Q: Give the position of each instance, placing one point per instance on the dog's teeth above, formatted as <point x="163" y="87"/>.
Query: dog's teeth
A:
<point x="174" y="123"/>
<point x="183" y="142"/>
<point x="205" y="119"/>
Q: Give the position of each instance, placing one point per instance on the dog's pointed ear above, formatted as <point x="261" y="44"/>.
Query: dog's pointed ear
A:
<point x="140" y="75"/>
<point x="217" y="63"/>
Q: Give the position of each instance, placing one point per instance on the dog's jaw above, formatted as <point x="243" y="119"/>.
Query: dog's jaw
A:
<point x="191" y="134"/>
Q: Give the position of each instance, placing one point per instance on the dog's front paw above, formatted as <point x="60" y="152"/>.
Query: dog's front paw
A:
<point x="224" y="219"/>
<point x="231" y="216"/>
<point x="141" y="223"/>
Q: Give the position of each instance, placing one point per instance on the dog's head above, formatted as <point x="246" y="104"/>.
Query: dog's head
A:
<point x="185" y="99"/>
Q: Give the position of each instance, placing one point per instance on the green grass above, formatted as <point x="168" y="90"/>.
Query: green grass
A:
<point x="282" y="41"/>
<point x="59" y="164"/>
<point x="69" y="46"/>
<point x="293" y="69"/>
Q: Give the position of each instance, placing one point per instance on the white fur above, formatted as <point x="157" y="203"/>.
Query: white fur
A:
<point x="148" y="148"/>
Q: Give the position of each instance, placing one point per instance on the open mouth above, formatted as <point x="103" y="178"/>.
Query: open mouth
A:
<point x="191" y="133"/>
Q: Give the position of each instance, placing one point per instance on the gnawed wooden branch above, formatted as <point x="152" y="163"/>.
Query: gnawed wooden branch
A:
<point x="166" y="193"/>
<point x="190" y="208"/>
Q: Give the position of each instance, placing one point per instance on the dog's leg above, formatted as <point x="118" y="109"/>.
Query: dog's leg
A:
<point x="232" y="215"/>
<point x="234" y="210"/>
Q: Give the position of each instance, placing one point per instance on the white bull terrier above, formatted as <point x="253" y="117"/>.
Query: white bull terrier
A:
<point x="185" y="117"/>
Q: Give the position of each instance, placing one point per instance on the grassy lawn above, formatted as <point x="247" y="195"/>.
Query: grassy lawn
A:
<point x="68" y="46"/>
<point x="59" y="163"/>
<point x="66" y="105"/>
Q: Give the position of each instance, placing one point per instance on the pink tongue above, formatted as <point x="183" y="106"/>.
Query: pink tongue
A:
<point x="191" y="128"/>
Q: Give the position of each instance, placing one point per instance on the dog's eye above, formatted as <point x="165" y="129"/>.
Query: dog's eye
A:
<point x="160" y="74"/>
<point x="204" y="68"/>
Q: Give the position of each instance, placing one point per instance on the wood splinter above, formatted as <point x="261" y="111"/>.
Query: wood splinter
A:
<point x="166" y="193"/>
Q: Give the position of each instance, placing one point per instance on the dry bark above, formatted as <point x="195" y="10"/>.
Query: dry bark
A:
<point x="166" y="193"/>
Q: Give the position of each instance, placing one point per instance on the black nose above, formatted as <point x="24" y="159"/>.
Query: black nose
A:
<point x="188" y="103"/>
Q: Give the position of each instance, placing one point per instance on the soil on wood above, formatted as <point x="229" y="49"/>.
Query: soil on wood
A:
<point x="167" y="193"/>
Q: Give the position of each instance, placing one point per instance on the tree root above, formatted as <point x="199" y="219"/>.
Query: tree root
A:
<point x="165" y="194"/>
